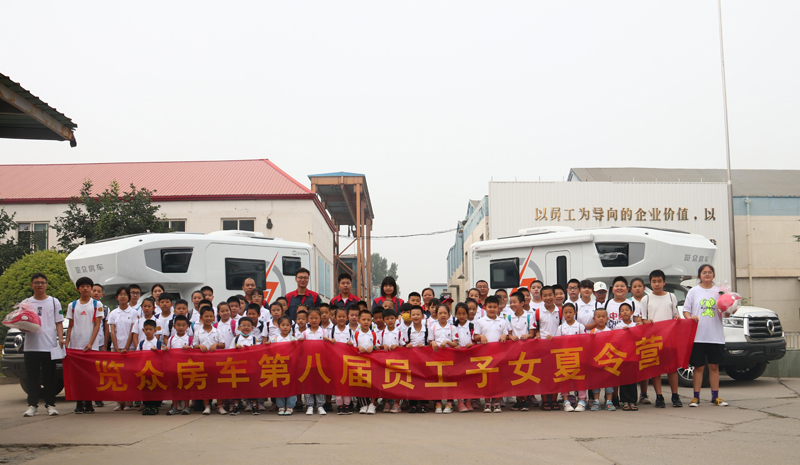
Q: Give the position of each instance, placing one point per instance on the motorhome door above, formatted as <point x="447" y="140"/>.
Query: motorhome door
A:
<point x="557" y="267"/>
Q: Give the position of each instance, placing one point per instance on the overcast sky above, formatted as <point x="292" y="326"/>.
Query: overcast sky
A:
<point x="430" y="100"/>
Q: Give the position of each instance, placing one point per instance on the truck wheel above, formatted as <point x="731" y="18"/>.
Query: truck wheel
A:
<point x="686" y="377"/>
<point x="59" y="385"/>
<point x="746" y="373"/>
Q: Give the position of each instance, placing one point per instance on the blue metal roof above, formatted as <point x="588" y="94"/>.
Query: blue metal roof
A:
<point x="338" y="173"/>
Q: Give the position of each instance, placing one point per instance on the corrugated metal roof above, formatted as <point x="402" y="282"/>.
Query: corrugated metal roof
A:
<point x="337" y="173"/>
<point x="753" y="183"/>
<point x="14" y="86"/>
<point x="175" y="180"/>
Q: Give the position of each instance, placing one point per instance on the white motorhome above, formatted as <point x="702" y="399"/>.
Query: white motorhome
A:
<point x="554" y="255"/>
<point x="184" y="262"/>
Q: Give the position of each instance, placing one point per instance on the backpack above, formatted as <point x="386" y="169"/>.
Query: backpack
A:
<point x="233" y="325"/>
<point x="333" y="331"/>
<point x="538" y="326"/>
<point x="158" y="344"/>
<point x="95" y="304"/>
<point x="426" y="333"/>
<point x="374" y="338"/>
<point x="508" y="317"/>
<point x="172" y="321"/>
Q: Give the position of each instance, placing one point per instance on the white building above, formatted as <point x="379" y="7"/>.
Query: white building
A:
<point x="766" y="218"/>
<point x="196" y="196"/>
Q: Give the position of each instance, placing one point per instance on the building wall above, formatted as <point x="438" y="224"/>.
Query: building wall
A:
<point x="293" y="220"/>
<point x="475" y="228"/>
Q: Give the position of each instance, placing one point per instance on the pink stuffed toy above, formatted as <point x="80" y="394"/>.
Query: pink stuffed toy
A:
<point x="24" y="318"/>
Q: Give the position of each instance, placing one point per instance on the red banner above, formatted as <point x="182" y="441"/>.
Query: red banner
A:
<point x="568" y="363"/>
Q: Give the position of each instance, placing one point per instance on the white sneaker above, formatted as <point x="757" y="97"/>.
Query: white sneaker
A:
<point x="321" y="411"/>
<point x="207" y="410"/>
<point x="51" y="410"/>
<point x="31" y="411"/>
<point x="288" y="411"/>
<point x="222" y="411"/>
<point x="371" y="409"/>
<point x="580" y="407"/>
<point x="363" y="410"/>
<point x="310" y="411"/>
<point x="568" y="406"/>
<point x="447" y="409"/>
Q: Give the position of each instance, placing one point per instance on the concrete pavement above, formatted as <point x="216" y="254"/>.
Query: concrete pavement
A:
<point x="761" y="425"/>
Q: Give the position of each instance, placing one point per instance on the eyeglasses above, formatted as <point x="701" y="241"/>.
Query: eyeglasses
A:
<point x="39" y="283"/>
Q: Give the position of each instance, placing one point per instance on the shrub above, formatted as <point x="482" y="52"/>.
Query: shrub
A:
<point x="15" y="283"/>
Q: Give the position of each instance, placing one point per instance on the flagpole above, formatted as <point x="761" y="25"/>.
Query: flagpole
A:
<point x="731" y="232"/>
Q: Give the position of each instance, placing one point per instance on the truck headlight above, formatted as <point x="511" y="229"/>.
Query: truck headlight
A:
<point x="733" y="322"/>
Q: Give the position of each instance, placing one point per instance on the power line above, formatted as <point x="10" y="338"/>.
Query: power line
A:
<point x="434" y="233"/>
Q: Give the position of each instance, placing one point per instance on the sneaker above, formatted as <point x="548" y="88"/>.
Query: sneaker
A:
<point x="321" y="411"/>
<point x="221" y="410"/>
<point x="596" y="406"/>
<point x="207" y="410"/>
<point x="676" y="401"/>
<point x="99" y="403"/>
<point x="310" y="411"/>
<point x="255" y="410"/>
<point x="448" y="408"/>
<point x="327" y="406"/>
<point x="719" y="402"/>
<point x="474" y="404"/>
<point x="659" y="402"/>
<point x="387" y="407"/>
<point x="396" y="408"/>
<point x="487" y="407"/>
<point x="517" y="406"/>
<point x="695" y="402"/>
<point x="87" y="408"/>
<point x="127" y="408"/>
<point x="362" y="410"/>
<point x="78" y="408"/>
<point x="248" y="408"/>
<point x="288" y="411"/>
<point x="581" y="406"/>
<point x="340" y="410"/>
<point x="235" y="410"/>
<point x="172" y="411"/>
<point x="498" y="408"/>
<point x="568" y="406"/>
<point x="438" y="407"/>
<point x="31" y="411"/>
<point x="643" y="399"/>
<point x="281" y="411"/>
<point x="186" y="411"/>
<point x="610" y="406"/>
<point x="371" y="409"/>
<point x="350" y="409"/>
<point x="51" y="410"/>
<point x="118" y="408"/>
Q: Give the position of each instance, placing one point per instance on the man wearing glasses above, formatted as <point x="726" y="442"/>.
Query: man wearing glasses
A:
<point x="39" y="366"/>
<point x="303" y="295"/>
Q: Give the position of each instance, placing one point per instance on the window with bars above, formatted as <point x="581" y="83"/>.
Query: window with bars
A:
<point x="239" y="224"/>
<point x="34" y="234"/>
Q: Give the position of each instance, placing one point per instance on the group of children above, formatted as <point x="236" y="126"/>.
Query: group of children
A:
<point x="160" y="322"/>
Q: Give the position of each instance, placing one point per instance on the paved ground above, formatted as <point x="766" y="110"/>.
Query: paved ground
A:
<point x="762" y="425"/>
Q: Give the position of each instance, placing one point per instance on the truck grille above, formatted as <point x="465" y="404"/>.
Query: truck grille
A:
<point x="9" y="344"/>
<point x="760" y="327"/>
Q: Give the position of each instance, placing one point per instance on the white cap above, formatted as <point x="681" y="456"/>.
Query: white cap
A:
<point x="600" y="286"/>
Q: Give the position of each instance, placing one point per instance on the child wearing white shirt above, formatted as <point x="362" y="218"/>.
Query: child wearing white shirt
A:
<point x="627" y="392"/>
<point x="571" y="327"/>
<point x="314" y="332"/>
<point x="340" y="332"/>
<point x="600" y="321"/>
<point x="443" y="335"/>
<point x="182" y="341"/>
<point x="207" y="339"/>
<point x="226" y="326"/>
<point x="492" y="328"/>
<point x="285" y="404"/>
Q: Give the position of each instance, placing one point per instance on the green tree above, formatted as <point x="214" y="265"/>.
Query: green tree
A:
<point x="381" y="269"/>
<point x="15" y="283"/>
<point x="110" y="214"/>
<point x="12" y="250"/>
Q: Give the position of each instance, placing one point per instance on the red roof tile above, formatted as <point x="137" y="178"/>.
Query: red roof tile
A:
<point x="174" y="180"/>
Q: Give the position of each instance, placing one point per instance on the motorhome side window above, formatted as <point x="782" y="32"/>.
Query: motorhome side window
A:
<point x="239" y="269"/>
<point x="175" y="260"/>
<point x="291" y="265"/>
<point x="504" y="273"/>
<point x="613" y="254"/>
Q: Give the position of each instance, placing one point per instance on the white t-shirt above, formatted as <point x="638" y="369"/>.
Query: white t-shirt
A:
<point x="584" y="312"/>
<point x="534" y="306"/>
<point x="226" y="333"/>
<point x="389" y="337"/>
<point x="101" y="334"/>
<point x="612" y="307"/>
<point x="178" y="342"/>
<point x="49" y="311"/>
<point x="147" y="344"/>
<point x="570" y="330"/>
<point x="414" y="337"/>
<point x="597" y="330"/>
<point x="123" y="321"/>
<point x="660" y="307"/>
<point x="622" y="325"/>
<point x="82" y="324"/>
<point x="207" y="338"/>
<point x="549" y="322"/>
<point x="244" y="341"/>
<point x="341" y="336"/>
<point x="493" y="329"/>
<point x="162" y="323"/>
<point x="270" y="330"/>
<point x="279" y="338"/>
<point x="139" y="326"/>
<point x="189" y="328"/>
<point x="365" y="340"/>
<point x="440" y="334"/>
<point x="702" y="303"/>
<point x="506" y="311"/>
<point x="310" y="335"/>
<point x="521" y="325"/>
<point x="464" y="333"/>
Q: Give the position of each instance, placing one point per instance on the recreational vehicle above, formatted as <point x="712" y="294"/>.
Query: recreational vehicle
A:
<point x="184" y="262"/>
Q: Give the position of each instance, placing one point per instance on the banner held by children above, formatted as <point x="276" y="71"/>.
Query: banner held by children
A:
<point x="507" y="369"/>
